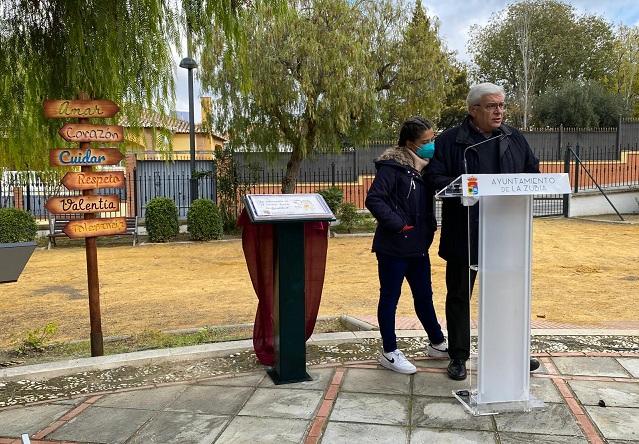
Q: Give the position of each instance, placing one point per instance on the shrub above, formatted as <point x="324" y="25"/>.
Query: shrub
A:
<point x="161" y="219"/>
<point x="16" y="226"/>
<point x="37" y="339"/>
<point x="333" y="197"/>
<point x="204" y="220"/>
<point x="348" y="215"/>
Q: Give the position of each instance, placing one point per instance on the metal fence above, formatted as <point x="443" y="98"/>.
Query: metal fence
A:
<point x="172" y="180"/>
<point x="611" y="166"/>
<point x="597" y="167"/>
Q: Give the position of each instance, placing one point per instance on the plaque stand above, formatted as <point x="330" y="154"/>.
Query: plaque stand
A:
<point x="288" y="213"/>
<point x="289" y="305"/>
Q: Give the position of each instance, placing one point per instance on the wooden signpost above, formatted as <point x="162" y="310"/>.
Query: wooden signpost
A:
<point x="83" y="204"/>
<point x="104" y="226"/>
<point x="84" y="132"/>
<point x="87" y="180"/>
<point x="89" y="157"/>
<point x="90" y="180"/>
<point x="81" y="109"/>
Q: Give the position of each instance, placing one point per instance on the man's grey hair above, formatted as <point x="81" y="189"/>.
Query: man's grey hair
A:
<point x="476" y="92"/>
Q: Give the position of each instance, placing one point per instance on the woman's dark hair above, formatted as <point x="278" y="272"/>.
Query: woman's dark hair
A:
<point x="412" y="129"/>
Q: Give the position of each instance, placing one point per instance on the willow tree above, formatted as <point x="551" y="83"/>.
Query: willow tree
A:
<point x="112" y="49"/>
<point x="308" y="78"/>
<point x="325" y="74"/>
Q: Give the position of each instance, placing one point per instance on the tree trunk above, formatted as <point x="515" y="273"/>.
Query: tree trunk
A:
<point x="292" y="171"/>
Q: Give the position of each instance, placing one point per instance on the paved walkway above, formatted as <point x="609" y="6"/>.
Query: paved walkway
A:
<point x="590" y="397"/>
<point x="412" y="323"/>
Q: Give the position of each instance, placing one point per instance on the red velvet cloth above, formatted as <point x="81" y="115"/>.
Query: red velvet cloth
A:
<point x="257" y="243"/>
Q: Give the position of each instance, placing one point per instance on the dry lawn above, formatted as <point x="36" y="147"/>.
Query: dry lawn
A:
<point x="584" y="273"/>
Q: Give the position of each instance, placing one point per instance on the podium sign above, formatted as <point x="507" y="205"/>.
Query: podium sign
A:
<point x="504" y="270"/>
<point x="475" y="185"/>
<point x="288" y="212"/>
<point x="287" y="207"/>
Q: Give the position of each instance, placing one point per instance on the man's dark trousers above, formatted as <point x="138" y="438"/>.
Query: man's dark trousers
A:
<point x="458" y="309"/>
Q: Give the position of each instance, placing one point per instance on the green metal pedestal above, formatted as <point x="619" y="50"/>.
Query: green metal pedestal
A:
<point x="289" y="305"/>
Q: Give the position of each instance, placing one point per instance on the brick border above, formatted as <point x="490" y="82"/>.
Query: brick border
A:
<point x="38" y="437"/>
<point x="321" y="418"/>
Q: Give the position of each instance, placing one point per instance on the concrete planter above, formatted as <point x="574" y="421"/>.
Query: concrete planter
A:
<point x="13" y="258"/>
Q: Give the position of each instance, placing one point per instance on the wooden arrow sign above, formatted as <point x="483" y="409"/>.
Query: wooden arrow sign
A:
<point x="81" y="109"/>
<point x="93" y="180"/>
<point x="85" y="157"/>
<point x="77" y="229"/>
<point x="84" y="132"/>
<point x="83" y="204"/>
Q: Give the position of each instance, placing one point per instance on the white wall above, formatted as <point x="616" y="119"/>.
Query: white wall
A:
<point x="590" y="203"/>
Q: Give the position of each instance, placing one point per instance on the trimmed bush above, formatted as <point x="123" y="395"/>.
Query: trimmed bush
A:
<point x="204" y="220"/>
<point x="161" y="219"/>
<point x="348" y="215"/>
<point x="333" y="197"/>
<point x="16" y="226"/>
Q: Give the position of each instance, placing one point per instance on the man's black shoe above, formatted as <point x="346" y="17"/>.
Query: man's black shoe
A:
<point x="534" y="364"/>
<point x="457" y="369"/>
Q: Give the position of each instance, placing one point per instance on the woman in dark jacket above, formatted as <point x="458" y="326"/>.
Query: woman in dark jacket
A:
<point x="402" y="203"/>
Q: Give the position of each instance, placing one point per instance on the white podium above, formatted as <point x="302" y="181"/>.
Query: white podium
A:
<point x="504" y="270"/>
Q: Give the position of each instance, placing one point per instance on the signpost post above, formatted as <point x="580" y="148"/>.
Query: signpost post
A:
<point x="87" y="180"/>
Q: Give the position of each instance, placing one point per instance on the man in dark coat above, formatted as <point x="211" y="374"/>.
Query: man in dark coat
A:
<point x="501" y="149"/>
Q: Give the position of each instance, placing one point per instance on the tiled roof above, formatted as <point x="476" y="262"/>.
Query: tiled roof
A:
<point x="151" y="119"/>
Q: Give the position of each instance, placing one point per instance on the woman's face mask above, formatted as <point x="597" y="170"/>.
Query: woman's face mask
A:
<point x="426" y="151"/>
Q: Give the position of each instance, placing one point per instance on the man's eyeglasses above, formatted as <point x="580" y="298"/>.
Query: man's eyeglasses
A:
<point x="492" y="106"/>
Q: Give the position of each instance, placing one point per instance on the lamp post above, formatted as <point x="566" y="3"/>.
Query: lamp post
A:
<point x="189" y="63"/>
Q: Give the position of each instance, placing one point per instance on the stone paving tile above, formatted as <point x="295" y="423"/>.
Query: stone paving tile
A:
<point x="251" y="430"/>
<point x="630" y="364"/>
<point x="321" y="379"/>
<point x="15" y="422"/>
<point x="102" y="425"/>
<point x="436" y="384"/>
<point x="214" y="400"/>
<point x="147" y="399"/>
<point x="283" y="403"/>
<point x="421" y="435"/>
<point x="588" y="366"/>
<point x="431" y="363"/>
<point x="251" y="380"/>
<point x="349" y="433"/>
<point x="545" y="390"/>
<point x="180" y="427"/>
<point x="616" y="422"/>
<point x="371" y="408"/>
<point x="527" y="438"/>
<point x="471" y="364"/>
<point x="376" y="381"/>
<point x="554" y="419"/>
<point x="443" y="413"/>
<point x="614" y="394"/>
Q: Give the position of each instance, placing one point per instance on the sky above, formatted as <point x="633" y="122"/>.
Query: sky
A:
<point x="456" y="18"/>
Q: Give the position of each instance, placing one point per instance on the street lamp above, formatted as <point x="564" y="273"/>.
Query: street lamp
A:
<point x="189" y="63"/>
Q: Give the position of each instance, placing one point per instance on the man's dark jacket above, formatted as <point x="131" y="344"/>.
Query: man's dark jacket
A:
<point x="515" y="156"/>
<point x="399" y="197"/>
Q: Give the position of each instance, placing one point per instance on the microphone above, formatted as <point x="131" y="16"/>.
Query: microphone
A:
<point x="500" y="136"/>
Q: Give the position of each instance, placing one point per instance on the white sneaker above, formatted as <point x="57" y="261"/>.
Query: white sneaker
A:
<point x="438" y="350"/>
<point x="397" y="362"/>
